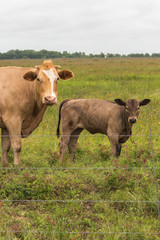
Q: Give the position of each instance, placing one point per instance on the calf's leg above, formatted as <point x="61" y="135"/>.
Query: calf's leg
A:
<point x="73" y="141"/>
<point x="115" y="145"/>
<point x="118" y="150"/>
<point x="5" y="143"/>
<point x="63" y="145"/>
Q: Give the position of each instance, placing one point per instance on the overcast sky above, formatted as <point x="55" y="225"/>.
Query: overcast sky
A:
<point x="91" y="26"/>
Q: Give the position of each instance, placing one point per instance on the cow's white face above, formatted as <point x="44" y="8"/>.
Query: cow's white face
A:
<point x="48" y="85"/>
<point x="47" y="76"/>
<point x="53" y="78"/>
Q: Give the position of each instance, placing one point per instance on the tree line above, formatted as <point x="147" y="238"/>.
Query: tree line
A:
<point x="44" y="54"/>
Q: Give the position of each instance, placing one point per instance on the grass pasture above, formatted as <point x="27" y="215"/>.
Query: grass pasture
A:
<point x="99" y="196"/>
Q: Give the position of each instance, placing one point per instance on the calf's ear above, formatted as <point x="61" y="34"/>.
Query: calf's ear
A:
<point x="144" y="102"/>
<point x="65" y="74"/>
<point x="120" y="102"/>
<point x="30" y="76"/>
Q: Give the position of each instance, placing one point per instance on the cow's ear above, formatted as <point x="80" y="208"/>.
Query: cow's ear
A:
<point x="30" y="76"/>
<point x="65" y="74"/>
<point x="56" y="66"/>
<point x="37" y="67"/>
<point x="120" y="102"/>
<point x="144" y="102"/>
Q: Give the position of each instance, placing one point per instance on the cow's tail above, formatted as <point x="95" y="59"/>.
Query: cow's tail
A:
<point x="59" y="120"/>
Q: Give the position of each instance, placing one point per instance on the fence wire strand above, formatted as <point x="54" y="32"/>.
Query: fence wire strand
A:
<point x="82" y="135"/>
<point x="74" y="201"/>
<point x="95" y="233"/>
<point x="78" y="168"/>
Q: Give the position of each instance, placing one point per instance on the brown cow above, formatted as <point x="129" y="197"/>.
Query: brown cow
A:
<point x="114" y="119"/>
<point x="25" y="95"/>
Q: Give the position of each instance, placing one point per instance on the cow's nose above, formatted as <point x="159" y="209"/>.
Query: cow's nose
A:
<point x="50" y="99"/>
<point x="132" y="120"/>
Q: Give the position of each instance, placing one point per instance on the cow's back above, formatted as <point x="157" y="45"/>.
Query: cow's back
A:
<point x="16" y="94"/>
<point x="13" y="87"/>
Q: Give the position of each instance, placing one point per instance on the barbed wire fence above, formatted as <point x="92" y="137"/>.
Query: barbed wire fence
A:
<point x="154" y="168"/>
<point x="157" y="201"/>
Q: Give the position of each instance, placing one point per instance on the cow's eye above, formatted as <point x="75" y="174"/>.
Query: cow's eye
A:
<point x="39" y="80"/>
<point x="57" y="78"/>
<point x="138" y="108"/>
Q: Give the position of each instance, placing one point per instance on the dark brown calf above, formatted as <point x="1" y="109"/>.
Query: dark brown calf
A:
<point x="114" y="119"/>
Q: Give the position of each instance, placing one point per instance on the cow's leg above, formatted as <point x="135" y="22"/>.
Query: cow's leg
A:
<point x="73" y="141"/>
<point x="5" y="143"/>
<point x="63" y="145"/>
<point x="14" y="129"/>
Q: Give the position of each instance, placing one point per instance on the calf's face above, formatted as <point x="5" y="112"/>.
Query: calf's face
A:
<point x="132" y="108"/>
<point x="46" y="77"/>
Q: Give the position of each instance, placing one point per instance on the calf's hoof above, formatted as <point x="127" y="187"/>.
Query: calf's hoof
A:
<point x="4" y="164"/>
<point x="18" y="164"/>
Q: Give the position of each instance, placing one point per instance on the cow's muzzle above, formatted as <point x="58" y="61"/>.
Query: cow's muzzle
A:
<point x="50" y="100"/>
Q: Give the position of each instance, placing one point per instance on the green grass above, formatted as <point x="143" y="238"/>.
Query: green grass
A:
<point x="105" y="215"/>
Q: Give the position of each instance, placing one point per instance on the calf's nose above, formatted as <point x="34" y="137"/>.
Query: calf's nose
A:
<point x="132" y="120"/>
